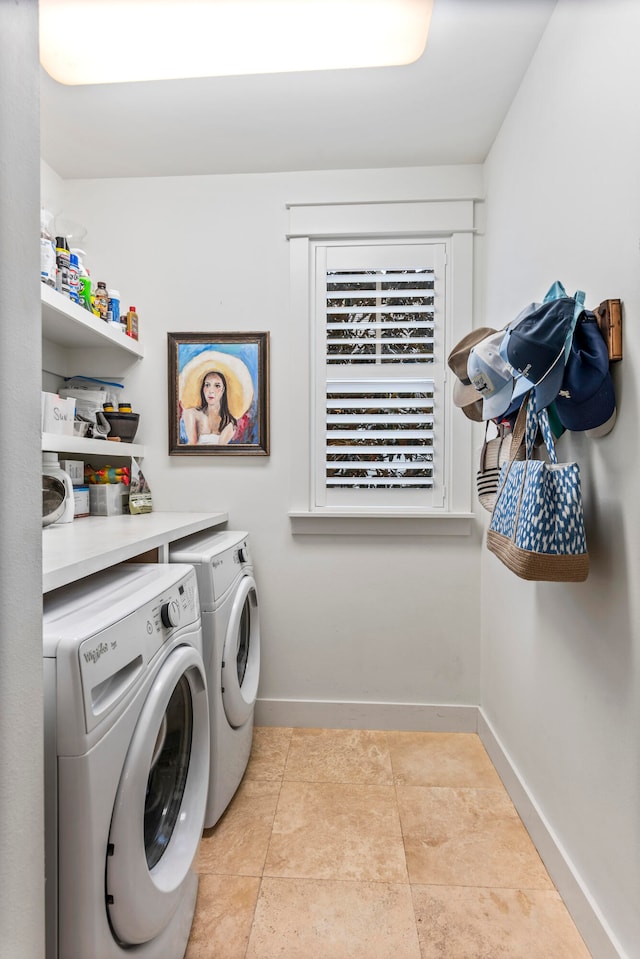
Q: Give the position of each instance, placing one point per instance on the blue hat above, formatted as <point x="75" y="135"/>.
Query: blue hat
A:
<point x="535" y="345"/>
<point x="587" y="400"/>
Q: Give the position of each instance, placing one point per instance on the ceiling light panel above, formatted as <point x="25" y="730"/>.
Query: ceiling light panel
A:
<point x="116" y="41"/>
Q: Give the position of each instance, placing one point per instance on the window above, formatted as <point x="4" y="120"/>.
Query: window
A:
<point x="373" y="317"/>
<point x="380" y="313"/>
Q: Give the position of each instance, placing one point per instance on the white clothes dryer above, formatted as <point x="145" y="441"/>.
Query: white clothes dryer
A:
<point x="231" y="653"/>
<point x="126" y="762"/>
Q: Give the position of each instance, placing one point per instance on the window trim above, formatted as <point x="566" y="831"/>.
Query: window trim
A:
<point x="450" y="220"/>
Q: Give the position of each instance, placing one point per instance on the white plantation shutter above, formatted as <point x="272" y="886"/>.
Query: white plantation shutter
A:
<point x="379" y="397"/>
<point x="379" y="434"/>
<point x="380" y="316"/>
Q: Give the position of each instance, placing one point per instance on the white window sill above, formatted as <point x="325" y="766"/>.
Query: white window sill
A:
<point x="335" y="522"/>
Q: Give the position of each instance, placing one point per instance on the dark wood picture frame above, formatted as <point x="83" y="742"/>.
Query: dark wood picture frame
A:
<point x="218" y="394"/>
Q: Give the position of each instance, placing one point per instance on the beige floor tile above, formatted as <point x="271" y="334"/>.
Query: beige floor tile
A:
<point x="339" y="756"/>
<point x="441" y="759"/>
<point x="336" y="831"/>
<point x="466" y="923"/>
<point x="237" y="844"/>
<point x="312" y="919"/>
<point x="268" y="752"/>
<point x="467" y="837"/>
<point x="223" y="917"/>
<point x="317" y="817"/>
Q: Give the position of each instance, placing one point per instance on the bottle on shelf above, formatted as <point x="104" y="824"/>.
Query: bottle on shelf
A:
<point x="132" y="323"/>
<point x="113" y="315"/>
<point x="84" y="280"/>
<point x="101" y="299"/>
<point x="74" y="278"/>
<point x="62" y="263"/>
<point x="47" y="249"/>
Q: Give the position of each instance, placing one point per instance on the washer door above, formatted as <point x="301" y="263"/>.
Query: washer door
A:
<point x="159" y="809"/>
<point x="241" y="656"/>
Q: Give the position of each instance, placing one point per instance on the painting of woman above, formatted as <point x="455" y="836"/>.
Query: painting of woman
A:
<point x="218" y="394"/>
<point x="216" y="397"/>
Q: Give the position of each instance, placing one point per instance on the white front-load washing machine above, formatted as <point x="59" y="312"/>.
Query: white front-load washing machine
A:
<point x="231" y="653"/>
<point x="126" y="762"/>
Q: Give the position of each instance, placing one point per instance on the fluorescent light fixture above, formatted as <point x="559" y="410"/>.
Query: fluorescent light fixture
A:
<point x="116" y="41"/>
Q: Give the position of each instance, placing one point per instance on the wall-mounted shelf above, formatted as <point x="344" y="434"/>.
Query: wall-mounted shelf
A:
<point x="55" y="443"/>
<point x="71" y="326"/>
<point x="89" y="544"/>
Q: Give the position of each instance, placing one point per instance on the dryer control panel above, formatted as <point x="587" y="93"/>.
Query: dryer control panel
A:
<point x="219" y="558"/>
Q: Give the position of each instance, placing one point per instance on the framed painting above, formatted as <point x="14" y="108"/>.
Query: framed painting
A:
<point x="219" y="394"/>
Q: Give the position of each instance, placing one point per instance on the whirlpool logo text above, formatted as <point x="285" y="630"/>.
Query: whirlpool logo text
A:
<point x="93" y="655"/>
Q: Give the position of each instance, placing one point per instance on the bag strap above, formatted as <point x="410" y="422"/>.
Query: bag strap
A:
<point x="517" y="437"/>
<point x="539" y="420"/>
<point x="531" y="426"/>
<point x="519" y="429"/>
<point x="547" y="435"/>
<point x="555" y="292"/>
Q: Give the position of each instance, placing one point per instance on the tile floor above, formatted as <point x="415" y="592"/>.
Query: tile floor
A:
<point x="351" y="844"/>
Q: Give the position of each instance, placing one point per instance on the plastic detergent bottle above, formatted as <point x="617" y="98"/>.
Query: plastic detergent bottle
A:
<point x="51" y="467"/>
<point x="84" y="280"/>
<point x="74" y="277"/>
<point x="113" y="315"/>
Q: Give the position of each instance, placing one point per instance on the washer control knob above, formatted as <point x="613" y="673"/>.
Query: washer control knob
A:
<point x="243" y="555"/>
<point x="170" y="613"/>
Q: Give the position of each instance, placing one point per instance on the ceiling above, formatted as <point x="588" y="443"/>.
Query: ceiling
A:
<point x="444" y="109"/>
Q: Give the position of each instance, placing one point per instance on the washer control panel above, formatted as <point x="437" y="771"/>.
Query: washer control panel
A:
<point x="112" y="661"/>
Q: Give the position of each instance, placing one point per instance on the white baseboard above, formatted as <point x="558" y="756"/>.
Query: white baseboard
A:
<point x="584" y="911"/>
<point x="312" y="714"/>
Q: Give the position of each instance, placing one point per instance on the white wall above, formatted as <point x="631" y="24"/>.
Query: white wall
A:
<point x="561" y="663"/>
<point x="21" y="787"/>
<point x="348" y="619"/>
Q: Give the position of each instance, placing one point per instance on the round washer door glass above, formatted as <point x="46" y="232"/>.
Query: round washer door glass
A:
<point x="168" y="774"/>
<point x="241" y="656"/>
<point x="159" y="808"/>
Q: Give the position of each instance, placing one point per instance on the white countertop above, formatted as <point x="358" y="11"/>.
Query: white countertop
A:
<point x="73" y="550"/>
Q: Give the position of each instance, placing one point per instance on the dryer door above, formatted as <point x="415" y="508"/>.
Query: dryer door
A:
<point x="241" y="656"/>
<point x="159" y="810"/>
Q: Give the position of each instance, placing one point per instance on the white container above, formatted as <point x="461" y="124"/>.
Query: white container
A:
<point x="105" y="499"/>
<point x="51" y="467"/>
<point x="75" y="469"/>
<point x="81" y="505"/>
<point x="58" y="414"/>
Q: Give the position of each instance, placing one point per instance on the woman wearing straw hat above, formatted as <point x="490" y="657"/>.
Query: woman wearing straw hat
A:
<point x="216" y="391"/>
